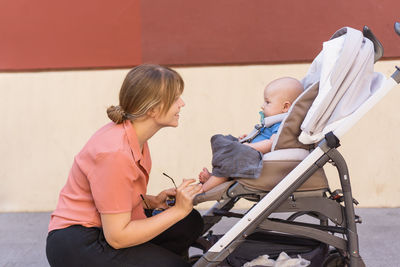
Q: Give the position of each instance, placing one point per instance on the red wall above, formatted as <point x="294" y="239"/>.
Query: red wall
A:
<point x="48" y="34"/>
<point x="56" y="34"/>
<point x="257" y="31"/>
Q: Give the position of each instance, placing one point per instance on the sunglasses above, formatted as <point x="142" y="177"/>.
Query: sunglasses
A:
<point x="170" y="178"/>
<point x="170" y="200"/>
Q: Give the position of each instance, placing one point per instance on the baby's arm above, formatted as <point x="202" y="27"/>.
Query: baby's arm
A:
<point x="263" y="146"/>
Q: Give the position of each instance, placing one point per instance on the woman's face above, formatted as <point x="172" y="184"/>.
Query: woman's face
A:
<point x="171" y="118"/>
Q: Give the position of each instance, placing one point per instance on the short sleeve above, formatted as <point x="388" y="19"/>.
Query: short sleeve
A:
<point x="275" y="128"/>
<point x="111" y="183"/>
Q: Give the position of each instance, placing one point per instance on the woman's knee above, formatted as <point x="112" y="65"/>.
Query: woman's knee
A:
<point x="196" y="220"/>
<point x="186" y="231"/>
<point x="192" y="225"/>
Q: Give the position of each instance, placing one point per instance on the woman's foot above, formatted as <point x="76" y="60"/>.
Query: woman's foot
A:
<point x="204" y="175"/>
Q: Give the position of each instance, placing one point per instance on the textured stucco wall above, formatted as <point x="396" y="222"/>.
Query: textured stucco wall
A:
<point x="46" y="118"/>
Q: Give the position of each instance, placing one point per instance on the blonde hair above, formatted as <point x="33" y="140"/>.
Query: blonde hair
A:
<point x="145" y="87"/>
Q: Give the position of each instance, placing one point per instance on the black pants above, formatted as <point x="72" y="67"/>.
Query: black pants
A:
<point x="81" y="246"/>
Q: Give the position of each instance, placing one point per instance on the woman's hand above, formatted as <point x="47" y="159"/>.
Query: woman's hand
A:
<point x="185" y="194"/>
<point x="121" y="231"/>
<point x="160" y="201"/>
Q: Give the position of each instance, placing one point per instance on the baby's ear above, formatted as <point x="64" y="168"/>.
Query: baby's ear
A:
<point x="286" y="106"/>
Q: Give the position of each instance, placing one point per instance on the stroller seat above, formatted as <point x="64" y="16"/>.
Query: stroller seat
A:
<point x="340" y="87"/>
<point x="286" y="153"/>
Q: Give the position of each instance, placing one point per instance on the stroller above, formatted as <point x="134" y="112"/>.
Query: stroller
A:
<point x="340" y="87"/>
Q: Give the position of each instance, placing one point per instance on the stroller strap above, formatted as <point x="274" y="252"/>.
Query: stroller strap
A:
<point x="267" y="122"/>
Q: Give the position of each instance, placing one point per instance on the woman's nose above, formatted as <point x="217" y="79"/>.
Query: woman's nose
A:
<point x="182" y="103"/>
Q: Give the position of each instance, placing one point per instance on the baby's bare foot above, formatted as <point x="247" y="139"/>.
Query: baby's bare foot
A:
<point x="204" y="175"/>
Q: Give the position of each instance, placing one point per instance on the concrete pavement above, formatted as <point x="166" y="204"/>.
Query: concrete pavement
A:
<point x="23" y="235"/>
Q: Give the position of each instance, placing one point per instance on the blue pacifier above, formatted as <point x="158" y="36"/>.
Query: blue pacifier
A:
<point x="262" y="117"/>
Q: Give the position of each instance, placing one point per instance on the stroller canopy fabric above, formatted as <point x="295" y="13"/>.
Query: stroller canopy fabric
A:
<point x="344" y="70"/>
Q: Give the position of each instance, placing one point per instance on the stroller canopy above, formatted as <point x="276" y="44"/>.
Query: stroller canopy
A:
<point x="344" y="70"/>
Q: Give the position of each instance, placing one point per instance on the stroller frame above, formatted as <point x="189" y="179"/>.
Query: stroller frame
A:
<point x="284" y="198"/>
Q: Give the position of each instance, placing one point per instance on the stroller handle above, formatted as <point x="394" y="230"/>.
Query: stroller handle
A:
<point x="397" y="27"/>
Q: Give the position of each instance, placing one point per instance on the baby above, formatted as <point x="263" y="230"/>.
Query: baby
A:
<point x="278" y="97"/>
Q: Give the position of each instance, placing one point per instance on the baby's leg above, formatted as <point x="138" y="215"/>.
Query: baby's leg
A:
<point x="212" y="182"/>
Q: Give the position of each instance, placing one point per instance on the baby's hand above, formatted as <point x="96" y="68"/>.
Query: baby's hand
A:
<point x="242" y="136"/>
<point x="204" y="175"/>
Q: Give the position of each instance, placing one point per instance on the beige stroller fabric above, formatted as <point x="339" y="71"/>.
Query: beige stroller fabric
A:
<point x="344" y="70"/>
<point x="287" y="152"/>
<point x="339" y="81"/>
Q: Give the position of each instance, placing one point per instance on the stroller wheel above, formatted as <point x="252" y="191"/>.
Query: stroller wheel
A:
<point x="335" y="260"/>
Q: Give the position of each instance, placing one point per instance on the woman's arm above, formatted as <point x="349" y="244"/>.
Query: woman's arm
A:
<point x="121" y="232"/>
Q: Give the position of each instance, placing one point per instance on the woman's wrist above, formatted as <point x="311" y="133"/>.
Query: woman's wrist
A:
<point x="181" y="213"/>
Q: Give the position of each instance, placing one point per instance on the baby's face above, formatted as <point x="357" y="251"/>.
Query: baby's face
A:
<point x="273" y="103"/>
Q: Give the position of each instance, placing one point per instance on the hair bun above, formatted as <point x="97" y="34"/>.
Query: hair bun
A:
<point x="116" y="114"/>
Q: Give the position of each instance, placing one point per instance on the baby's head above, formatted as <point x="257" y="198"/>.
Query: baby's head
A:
<point x="280" y="94"/>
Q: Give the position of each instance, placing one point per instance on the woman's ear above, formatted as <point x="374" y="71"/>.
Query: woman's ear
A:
<point x="154" y="111"/>
<point x="151" y="112"/>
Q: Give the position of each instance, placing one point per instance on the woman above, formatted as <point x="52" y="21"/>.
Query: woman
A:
<point x="100" y="218"/>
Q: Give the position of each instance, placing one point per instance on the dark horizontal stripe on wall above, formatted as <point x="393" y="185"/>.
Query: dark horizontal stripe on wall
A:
<point x="257" y="31"/>
<point x="47" y="34"/>
<point x="73" y="34"/>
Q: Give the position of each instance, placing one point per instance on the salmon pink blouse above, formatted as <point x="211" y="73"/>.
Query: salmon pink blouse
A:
<point x="107" y="176"/>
